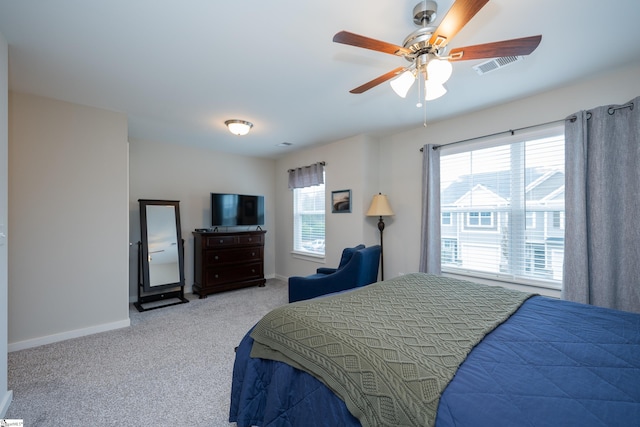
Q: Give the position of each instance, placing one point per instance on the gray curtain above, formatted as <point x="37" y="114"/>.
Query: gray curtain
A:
<point x="430" y="235"/>
<point x="602" y="202"/>
<point x="307" y="176"/>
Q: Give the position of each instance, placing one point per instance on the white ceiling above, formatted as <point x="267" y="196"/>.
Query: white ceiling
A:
<point x="180" y="68"/>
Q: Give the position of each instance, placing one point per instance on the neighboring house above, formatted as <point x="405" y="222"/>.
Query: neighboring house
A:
<point x="476" y="211"/>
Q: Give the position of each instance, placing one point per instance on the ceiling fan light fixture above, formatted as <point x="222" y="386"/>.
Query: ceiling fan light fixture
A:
<point x="238" y="127"/>
<point x="439" y="70"/>
<point x="433" y="90"/>
<point x="426" y="49"/>
<point x="403" y="83"/>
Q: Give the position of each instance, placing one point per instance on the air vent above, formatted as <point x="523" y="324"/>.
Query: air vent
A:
<point x="494" y="64"/>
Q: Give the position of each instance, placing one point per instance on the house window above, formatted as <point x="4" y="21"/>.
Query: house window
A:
<point x="449" y="251"/>
<point x="445" y="218"/>
<point x="536" y="260"/>
<point x="480" y="219"/>
<point x="511" y="192"/>
<point x="558" y="220"/>
<point x="308" y="220"/>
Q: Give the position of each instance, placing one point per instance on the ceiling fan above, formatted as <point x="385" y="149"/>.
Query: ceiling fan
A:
<point x="426" y="48"/>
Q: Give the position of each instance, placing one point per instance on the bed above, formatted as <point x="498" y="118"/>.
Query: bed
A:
<point x="428" y="350"/>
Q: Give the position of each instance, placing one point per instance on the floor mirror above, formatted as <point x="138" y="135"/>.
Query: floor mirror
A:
<point x="161" y="255"/>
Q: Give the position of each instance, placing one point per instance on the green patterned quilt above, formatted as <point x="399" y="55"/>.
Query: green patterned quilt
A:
<point x="388" y="349"/>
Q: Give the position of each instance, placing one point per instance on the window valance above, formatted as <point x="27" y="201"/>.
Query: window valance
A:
<point x="306" y="176"/>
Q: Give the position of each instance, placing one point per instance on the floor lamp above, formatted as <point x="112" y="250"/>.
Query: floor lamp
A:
<point x="380" y="207"/>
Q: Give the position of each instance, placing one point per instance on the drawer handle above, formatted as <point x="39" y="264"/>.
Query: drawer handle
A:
<point x="221" y="240"/>
<point x="253" y="270"/>
<point x="250" y="239"/>
<point x="215" y="257"/>
<point x="253" y="254"/>
<point x="216" y="276"/>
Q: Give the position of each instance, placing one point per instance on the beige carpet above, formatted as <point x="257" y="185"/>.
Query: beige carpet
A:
<point x="172" y="366"/>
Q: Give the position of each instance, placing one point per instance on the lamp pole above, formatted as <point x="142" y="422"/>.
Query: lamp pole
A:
<point x="381" y="228"/>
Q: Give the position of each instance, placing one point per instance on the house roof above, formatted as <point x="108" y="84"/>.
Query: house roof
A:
<point x="494" y="188"/>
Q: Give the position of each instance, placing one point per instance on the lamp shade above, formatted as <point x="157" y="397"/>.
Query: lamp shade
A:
<point x="239" y="127"/>
<point x="439" y="70"/>
<point x="403" y="83"/>
<point x="379" y="206"/>
<point x="433" y="90"/>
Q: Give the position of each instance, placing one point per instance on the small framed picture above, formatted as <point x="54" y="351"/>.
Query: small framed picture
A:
<point x="341" y="201"/>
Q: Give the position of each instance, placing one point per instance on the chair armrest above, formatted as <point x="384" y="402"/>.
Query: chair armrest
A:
<point x="361" y="270"/>
<point x="302" y="288"/>
<point x="326" y="270"/>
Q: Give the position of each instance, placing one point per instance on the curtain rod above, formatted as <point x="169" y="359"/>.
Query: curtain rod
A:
<point x="511" y="131"/>
<point x="321" y="163"/>
<point x="573" y="118"/>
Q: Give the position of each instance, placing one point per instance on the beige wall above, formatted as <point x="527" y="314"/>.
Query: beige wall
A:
<point x="350" y="165"/>
<point x="173" y="172"/>
<point x="68" y="220"/>
<point x="5" y="395"/>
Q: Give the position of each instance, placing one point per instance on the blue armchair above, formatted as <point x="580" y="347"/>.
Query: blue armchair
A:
<point x="347" y="253"/>
<point x="359" y="269"/>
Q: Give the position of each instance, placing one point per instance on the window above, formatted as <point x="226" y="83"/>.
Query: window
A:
<point x="536" y="259"/>
<point x="558" y="220"/>
<point x="445" y="218"/>
<point x="511" y="193"/>
<point x="449" y="251"/>
<point x="480" y="219"/>
<point x="308" y="220"/>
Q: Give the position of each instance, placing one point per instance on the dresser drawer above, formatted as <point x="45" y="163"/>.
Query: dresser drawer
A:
<point x="227" y="256"/>
<point x="252" y="239"/>
<point x="220" y="241"/>
<point x="235" y="273"/>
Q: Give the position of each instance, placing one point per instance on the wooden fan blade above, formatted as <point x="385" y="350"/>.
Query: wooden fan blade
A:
<point x="513" y="47"/>
<point x="375" y="82"/>
<point x="352" y="39"/>
<point x="457" y="17"/>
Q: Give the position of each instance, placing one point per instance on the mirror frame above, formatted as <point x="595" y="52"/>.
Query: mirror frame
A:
<point x="144" y="256"/>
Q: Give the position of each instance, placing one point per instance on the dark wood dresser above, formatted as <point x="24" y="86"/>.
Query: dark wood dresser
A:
<point x="227" y="260"/>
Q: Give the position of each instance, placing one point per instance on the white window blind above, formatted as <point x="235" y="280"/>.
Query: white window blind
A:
<point x="505" y="201"/>
<point x="309" y="219"/>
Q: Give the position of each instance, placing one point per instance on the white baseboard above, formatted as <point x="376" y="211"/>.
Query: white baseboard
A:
<point x="49" y="339"/>
<point x="189" y="290"/>
<point x="5" y="402"/>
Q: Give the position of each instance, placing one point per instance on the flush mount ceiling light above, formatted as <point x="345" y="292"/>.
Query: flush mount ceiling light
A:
<point x="239" y="127"/>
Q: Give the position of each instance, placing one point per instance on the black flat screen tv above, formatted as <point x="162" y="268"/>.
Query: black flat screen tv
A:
<point x="232" y="210"/>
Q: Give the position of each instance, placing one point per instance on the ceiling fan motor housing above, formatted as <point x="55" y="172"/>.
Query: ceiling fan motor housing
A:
<point x="418" y="43"/>
<point x="424" y="13"/>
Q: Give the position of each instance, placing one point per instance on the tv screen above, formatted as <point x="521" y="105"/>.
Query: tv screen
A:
<point x="236" y="209"/>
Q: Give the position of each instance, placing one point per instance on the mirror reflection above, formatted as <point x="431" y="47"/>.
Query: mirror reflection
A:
<point x="162" y="255"/>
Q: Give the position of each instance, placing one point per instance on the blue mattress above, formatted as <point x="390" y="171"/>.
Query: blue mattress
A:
<point x="552" y="363"/>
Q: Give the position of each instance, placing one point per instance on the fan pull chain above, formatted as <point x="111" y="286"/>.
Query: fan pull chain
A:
<point x="420" y="98"/>
<point x="424" y="123"/>
<point x="419" y="103"/>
